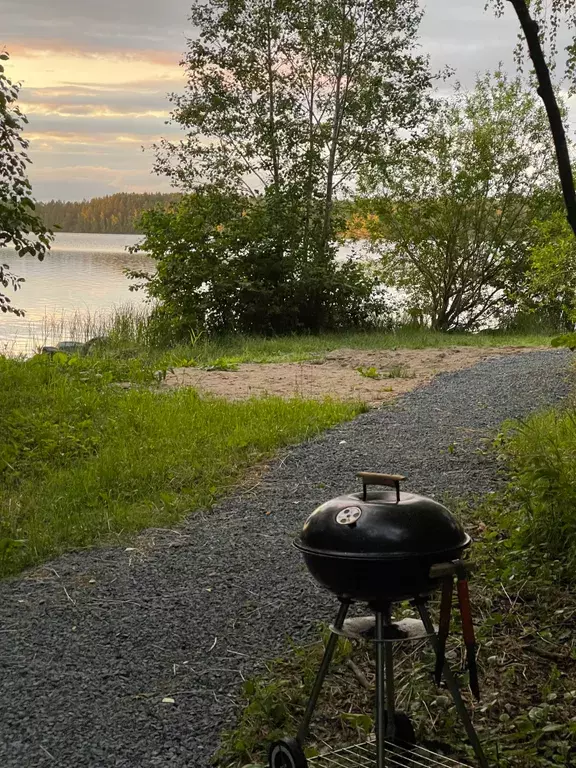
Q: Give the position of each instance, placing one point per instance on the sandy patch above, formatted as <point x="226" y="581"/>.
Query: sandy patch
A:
<point x="336" y="374"/>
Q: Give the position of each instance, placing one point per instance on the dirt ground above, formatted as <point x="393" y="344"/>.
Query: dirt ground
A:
<point x="336" y="374"/>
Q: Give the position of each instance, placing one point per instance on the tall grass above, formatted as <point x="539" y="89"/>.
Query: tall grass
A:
<point x="82" y="460"/>
<point x="540" y="455"/>
<point x="124" y="324"/>
<point x="128" y="333"/>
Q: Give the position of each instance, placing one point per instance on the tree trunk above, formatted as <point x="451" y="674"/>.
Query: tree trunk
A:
<point x="271" y="118"/>
<point x="546" y="93"/>
<point x="335" y="135"/>
<point x="309" y="184"/>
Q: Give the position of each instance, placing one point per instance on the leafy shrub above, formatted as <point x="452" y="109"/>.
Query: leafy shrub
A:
<point x="566" y="340"/>
<point x="226" y="263"/>
<point x="540" y="455"/>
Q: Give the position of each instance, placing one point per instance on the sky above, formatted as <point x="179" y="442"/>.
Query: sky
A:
<point x="96" y="74"/>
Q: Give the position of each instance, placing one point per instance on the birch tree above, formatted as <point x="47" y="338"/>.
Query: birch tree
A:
<point x="285" y="102"/>
<point x="295" y="95"/>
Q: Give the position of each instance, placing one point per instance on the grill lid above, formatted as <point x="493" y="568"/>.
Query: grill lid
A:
<point x="381" y="525"/>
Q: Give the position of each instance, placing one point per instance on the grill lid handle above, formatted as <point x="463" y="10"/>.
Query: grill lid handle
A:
<point x="377" y="478"/>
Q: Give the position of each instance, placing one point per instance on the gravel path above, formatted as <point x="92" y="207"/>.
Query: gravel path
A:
<point x="92" y="643"/>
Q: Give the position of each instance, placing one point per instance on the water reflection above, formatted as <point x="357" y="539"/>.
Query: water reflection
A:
<point x="82" y="275"/>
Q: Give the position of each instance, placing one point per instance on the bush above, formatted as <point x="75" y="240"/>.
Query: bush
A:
<point x="551" y="278"/>
<point x="226" y="263"/>
<point x="540" y="455"/>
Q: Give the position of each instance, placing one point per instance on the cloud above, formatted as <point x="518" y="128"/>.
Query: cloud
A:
<point x="91" y="110"/>
<point x="125" y="25"/>
<point x="41" y="48"/>
<point x="128" y="98"/>
<point x="471" y="39"/>
<point x="96" y="77"/>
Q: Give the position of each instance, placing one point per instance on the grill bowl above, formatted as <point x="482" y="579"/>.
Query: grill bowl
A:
<point x="380" y="545"/>
<point x="377" y="580"/>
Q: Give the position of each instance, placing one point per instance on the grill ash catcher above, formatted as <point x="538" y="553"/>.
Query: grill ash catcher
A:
<point x="381" y="547"/>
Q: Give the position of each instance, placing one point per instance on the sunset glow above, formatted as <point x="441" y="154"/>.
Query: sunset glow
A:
<point x="96" y="76"/>
<point x="90" y="114"/>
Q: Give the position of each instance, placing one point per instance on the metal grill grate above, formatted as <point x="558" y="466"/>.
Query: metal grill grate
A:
<point x="364" y="756"/>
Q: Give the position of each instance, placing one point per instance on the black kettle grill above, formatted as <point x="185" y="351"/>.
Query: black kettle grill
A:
<point x="381" y="547"/>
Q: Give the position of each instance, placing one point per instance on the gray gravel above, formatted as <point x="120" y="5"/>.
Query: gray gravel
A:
<point x="91" y="644"/>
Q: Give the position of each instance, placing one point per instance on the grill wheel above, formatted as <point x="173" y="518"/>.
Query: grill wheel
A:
<point x="286" y="753"/>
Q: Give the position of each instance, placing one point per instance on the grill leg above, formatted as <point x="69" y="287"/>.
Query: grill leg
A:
<point x="454" y="689"/>
<point x="326" y="659"/>
<point x="382" y="654"/>
<point x="390" y="705"/>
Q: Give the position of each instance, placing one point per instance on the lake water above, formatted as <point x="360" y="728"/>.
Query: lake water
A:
<point x="82" y="276"/>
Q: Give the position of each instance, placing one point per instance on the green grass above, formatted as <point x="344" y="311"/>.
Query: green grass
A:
<point x="233" y="350"/>
<point x="243" y="349"/>
<point x="82" y="460"/>
<point x="128" y="335"/>
<point x="540" y="506"/>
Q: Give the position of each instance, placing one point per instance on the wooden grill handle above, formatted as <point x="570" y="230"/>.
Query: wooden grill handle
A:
<point x="377" y="478"/>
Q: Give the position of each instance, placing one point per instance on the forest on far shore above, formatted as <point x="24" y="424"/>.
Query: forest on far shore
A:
<point x="112" y="214"/>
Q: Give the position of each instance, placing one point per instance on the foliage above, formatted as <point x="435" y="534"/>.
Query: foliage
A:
<point x="228" y="264"/>
<point x="294" y="92"/>
<point x="551" y="17"/>
<point x="109" y="214"/>
<point x="551" y="275"/>
<point x="540" y="458"/>
<point x="285" y="101"/>
<point x="82" y="459"/>
<point x="20" y="226"/>
<point x="566" y="340"/>
<point x="457" y="202"/>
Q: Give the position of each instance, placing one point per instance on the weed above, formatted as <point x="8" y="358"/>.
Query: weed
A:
<point x="540" y="506"/>
<point x="396" y="372"/>
<point x="399" y="372"/>
<point x="222" y="364"/>
<point x="369" y="373"/>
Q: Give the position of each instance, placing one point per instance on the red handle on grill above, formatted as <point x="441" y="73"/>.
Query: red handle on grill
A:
<point x="444" y="625"/>
<point x="468" y="632"/>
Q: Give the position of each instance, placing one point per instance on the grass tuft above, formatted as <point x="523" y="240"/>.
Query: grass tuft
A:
<point x="540" y="506"/>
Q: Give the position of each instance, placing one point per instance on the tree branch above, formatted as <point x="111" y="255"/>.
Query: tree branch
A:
<point x="546" y="93"/>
